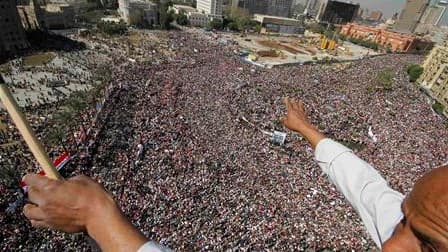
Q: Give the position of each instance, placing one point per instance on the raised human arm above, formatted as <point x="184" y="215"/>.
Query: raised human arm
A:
<point x="377" y="204"/>
<point x="297" y="120"/>
<point x="80" y="204"/>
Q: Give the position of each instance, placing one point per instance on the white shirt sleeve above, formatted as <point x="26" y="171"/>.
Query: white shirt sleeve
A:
<point x="378" y="205"/>
<point x="153" y="247"/>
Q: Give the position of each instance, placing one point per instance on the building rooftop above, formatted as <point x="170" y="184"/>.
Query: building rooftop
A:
<point x="185" y="8"/>
<point x="261" y="16"/>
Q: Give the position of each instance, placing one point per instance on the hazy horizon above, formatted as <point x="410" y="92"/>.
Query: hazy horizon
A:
<point x="388" y="7"/>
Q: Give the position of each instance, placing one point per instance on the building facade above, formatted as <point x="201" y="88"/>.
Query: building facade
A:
<point x="274" y="24"/>
<point x="30" y="15"/>
<point x="311" y="8"/>
<point x="212" y="8"/>
<point x="279" y="8"/>
<point x="435" y="75"/>
<point x="376" y="16"/>
<point x="396" y="42"/>
<point x="252" y="6"/>
<point x="411" y="15"/>
<point x="194" y="17"/>
<point x="58" y="16"/>
<point x="12" y="34"/>
<point x="337" y="12"/>
<point x="138" y="12"/>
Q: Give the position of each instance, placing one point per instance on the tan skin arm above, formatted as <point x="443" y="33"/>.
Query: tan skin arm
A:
<point x="297" y="120"/>
<point x="54" y="206"/>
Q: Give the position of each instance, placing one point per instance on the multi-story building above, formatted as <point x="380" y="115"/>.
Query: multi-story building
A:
<point x="30" y="14"/>
<point x="279" y="8"/>
<point x="396" y="42"/>
<point x="311" y="8"/>
<point x="213" y="8"/>
<point x="275" y="24"/>
<point x="435" y="75"/>
<point x="12" y="35"/>
<point x="58" y="16"/>
<point x="375" y="16"/>
<point x="444" y="18"/>
<point x="194" y="17"/>
<point x="337" y="12"/>
<point x="138" y="12"/>
<point x="252" y="6"/>
<point x="411" y="15"/>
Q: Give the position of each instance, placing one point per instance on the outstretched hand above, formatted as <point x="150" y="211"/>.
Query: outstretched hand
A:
<point x="297" y="120"/>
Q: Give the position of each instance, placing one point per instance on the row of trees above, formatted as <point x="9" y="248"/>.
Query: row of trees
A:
<point x="240" y="20"/>
<point x="237" y="20"/>
<point x="361" y="42"/>
<point x="112" y="28"/>
<point x="76" y="103"/>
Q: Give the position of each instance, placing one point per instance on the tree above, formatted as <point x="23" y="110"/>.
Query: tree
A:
<point x="112" y="28"/>
<point x="414" y="71"/>
<point x="181" y="18"/>
<point x="233" y="26"/>
<point x="215" y="24"/>
<point x="166" y="16"/>
<point x="240" y="20"/>
<point x="385" y="79"/>
<point x="438" y="107"/>
<point x="57" y="136"/>
<point x="77" y="101"/>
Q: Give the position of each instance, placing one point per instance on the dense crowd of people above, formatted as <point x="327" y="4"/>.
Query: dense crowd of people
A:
<point x="174" y="146"/>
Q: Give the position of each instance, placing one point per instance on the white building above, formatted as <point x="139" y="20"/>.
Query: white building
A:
<point x="138" y="12"/>
<point x="213" y="8"/>
<point x="198" y="19"/>
<point x="194" y="17"/>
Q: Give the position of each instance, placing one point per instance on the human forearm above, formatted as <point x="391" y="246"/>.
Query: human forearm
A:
<point x="80" y="204"/>
<point x="113" y="232"/>
<point x="312" y="135"/>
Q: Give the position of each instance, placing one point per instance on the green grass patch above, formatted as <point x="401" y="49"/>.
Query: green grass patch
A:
<point x="38" y="59"/>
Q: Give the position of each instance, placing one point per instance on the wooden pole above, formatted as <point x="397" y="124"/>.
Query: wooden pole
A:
<point x="26" y="131"/>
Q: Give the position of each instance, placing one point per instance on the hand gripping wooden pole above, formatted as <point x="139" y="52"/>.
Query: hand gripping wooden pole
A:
<point x="26" y="131"/>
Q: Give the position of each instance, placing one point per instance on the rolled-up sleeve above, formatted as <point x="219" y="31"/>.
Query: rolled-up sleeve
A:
<point x="378" y="205"/>
<point x="153" y="247"/>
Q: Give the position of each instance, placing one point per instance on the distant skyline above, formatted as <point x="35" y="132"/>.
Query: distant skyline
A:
<point x="388" y="7"/>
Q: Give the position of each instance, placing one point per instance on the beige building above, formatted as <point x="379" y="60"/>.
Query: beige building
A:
<point x="50" y="16"/>
<point x="194" y="17"/>
<point x="212" y="8"/>
<point x="273" y="24"/>
<point x="30" y="15"/>
<point x="411" y="15"/>
<point x="12" y="35"/>
<point x="138" y="12"/>
<point x="435" y="76"/>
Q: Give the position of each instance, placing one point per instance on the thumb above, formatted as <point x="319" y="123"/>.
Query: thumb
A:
<point x="283" y="120"/>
